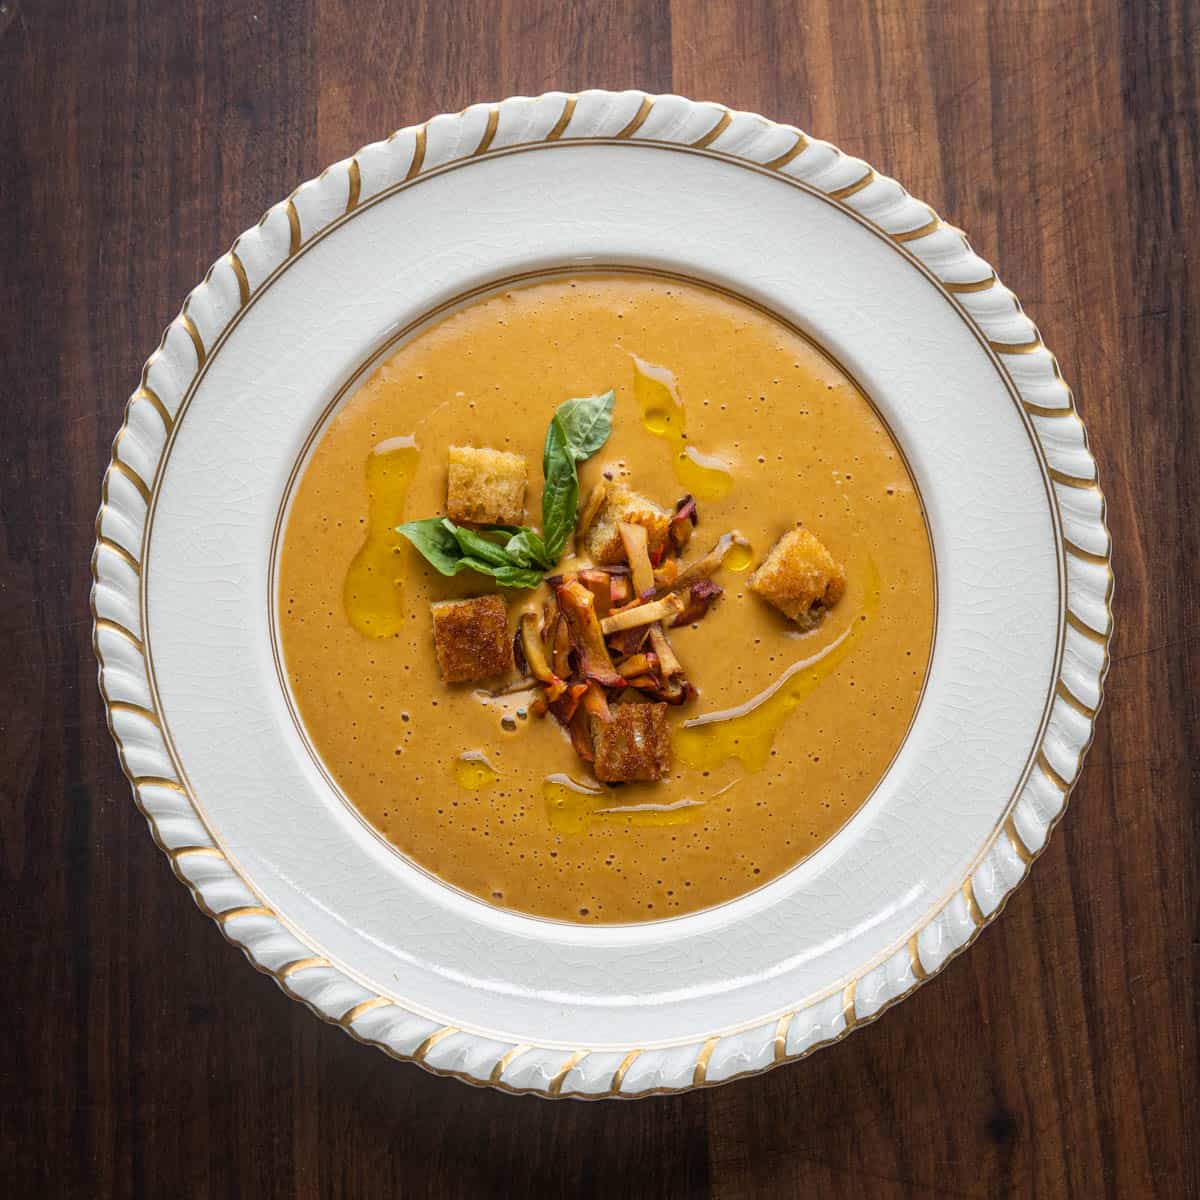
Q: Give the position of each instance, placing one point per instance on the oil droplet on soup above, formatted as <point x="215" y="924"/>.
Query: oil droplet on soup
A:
<point x="657" y="392"/>
<point x="473" y="771"/>
<point x="372" y="591"/>
<point x="572" y="807"/>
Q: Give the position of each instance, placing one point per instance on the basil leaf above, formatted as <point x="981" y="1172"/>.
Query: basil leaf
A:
<point x="560" y="493"/>
<point x="585" y="426"/>
<point x="526" y="548"/>
<point x="436" y="543"/>
<point x="577" y="430"/>
<point x="475" y="545"/>
<point x="451" y="549"/>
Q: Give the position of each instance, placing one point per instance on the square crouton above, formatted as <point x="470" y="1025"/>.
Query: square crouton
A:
<point x="634" y="745"/>
<point x="471" y="638"/>
<point x="602" y="539"/>
<point x="800" y="577"/>
<point x="486" y="487"/>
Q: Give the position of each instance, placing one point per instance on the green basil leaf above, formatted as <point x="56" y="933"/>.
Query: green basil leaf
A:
<point x="560" y="492"/>
<point x="451" y="549"/>
<point x="586" y="424"/>
<point x="526" y="548"/>
<point x="476" y="545"/>
<point x="436" y="543"/>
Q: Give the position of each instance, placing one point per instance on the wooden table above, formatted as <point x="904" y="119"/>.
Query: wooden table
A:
<point x="144" y="1058"/>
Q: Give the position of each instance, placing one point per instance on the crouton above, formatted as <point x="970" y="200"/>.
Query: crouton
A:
<point x="486" y="487"/>
<point x="602" y="539"/>
<point x="471" y="638"/>
<point x="800" y="578"/>
<point x="635" y="744"/>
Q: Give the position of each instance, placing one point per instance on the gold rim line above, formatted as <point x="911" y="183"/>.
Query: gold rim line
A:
<point x="619" y="1074"/>
<point x="489" y="134"/>
<point x="556" y="1084"/>
<point x="1017" y="842"/>
<point x="432" y="1040"/>
<point x="124" y="469"/>
<point x="1017" y="347"/>
<point x="353" y="185"/>
<point x="844" y="193"/>
<point x="700" y="1070"/>
<point x="418" y="156"/>
<point x="106" y="543"/>
<point x="914" y="960"/>
<point x="1044" y="410"/>
<point x="303" y="964"/>
<point x="134" y="710"/>
<point x="781" y="1032"/>
<point x="976" y="285"/>
<point x="1094" y="635"/>
<point x="1064" y="693"/>
<point x="715" y="132"/>
<point x="357" y="1010"/>
<point x="116" y="627"/>
<point x="178" y="852"/>
<point x="1077" y="551"/>
<point x="639" y="119"/>
<point x="502" y="1063"/>
<point x="1048" y="769"/>
<point x="1074" y="481"/>
<point x="911" y="235"/>
<point x="164" y="782"/>
<point x="152" y="398"/>
<point x="560" y="126"/>
<point x="243" y="281"/>
<point x="244" y="910"/>
<point x="197" y="341"/>
<point x="849" y="1013"/>
<point x="801" y="144"/>
<point x="1034" y="443"/>
<point x="1087" y="631"/>
<point x="973" y="909"/>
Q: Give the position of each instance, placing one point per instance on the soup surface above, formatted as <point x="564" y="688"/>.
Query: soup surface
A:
<point x="489" y="797"/>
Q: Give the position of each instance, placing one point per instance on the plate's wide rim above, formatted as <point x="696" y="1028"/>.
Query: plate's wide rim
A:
<point x="131" y="479"/>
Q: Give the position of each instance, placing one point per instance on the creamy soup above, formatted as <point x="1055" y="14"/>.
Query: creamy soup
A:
<point x="788" y="732"/>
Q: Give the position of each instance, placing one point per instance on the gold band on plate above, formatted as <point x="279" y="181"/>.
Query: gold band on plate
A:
<point x="715" y="132"/>
<point x="801" y="144"/>
<point x="503" y="1062"/>
<point x="560" y="126"/>
<point x="116" y="548"/>
<point x="850" y="189"/>
<point x="353" y="185"/>
<point x="639" y="119"/>
<point x="620" y="1073"/>
<point x="556" y="1083"/>
<point x="151" y="397"/>
<point x="700" y="1073"/>
<point x="489" y="133"/>
<point x="911" y="235"/>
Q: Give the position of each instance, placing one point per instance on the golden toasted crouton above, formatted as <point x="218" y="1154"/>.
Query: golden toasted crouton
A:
<point x="602" y="539"/>
<point x="471" y="638"/>
<point x="634" y="744"/>
<point x="486" y="487"/>
<point x="800" y="578"/>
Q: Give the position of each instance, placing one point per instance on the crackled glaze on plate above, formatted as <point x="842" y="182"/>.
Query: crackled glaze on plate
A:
<point x="976" y="400"/>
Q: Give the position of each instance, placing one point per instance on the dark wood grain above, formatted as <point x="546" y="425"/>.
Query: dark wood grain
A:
<point x="141" y="1057"/>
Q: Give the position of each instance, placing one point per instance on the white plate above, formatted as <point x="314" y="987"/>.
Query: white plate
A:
<point x="184" y="626"/>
